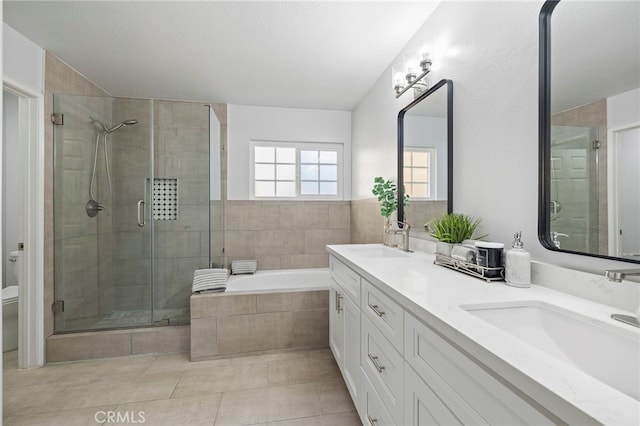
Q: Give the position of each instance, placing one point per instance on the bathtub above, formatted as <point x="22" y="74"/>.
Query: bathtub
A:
<point x="278" y="281"/>
<point x="261" y="313"/>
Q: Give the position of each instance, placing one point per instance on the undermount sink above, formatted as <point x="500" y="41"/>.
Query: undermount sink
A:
<point x="378" y="252"/>
<point x="607" y="353"/>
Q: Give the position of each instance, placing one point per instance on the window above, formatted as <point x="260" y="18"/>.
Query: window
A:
<point x="300" y="170"/>
<point x="419" y="172"/>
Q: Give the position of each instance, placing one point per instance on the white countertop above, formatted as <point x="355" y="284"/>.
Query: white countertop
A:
<point x="434" y="294"/>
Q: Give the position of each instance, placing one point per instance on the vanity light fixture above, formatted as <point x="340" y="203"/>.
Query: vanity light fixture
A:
<point x="409" y="77"/>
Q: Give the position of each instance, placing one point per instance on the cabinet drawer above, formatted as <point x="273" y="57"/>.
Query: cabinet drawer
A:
<point x="386" y="314"/>
<point x="429" y="354"/>
<point x="346" y="278"/>
<point x="430" y="401"/>
<point x="383" y="365"/>
<point x="373" y="411"/>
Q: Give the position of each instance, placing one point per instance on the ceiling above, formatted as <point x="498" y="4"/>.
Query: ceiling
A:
<point x="590" y="60"/>
<point x="302" y="54"/>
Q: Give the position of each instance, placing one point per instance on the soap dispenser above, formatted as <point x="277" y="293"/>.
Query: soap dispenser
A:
<point x="518" y="264"/>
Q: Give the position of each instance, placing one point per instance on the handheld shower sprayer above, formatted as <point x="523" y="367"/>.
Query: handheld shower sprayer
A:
<point x="93" y="206"/>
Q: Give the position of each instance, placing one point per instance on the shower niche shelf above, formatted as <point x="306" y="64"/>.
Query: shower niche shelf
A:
<point x="165" y="199"/>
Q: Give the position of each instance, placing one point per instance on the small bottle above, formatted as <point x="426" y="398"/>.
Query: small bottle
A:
<point x="518" y="264"/>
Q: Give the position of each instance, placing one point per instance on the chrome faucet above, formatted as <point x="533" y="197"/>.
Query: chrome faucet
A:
<point x="555" y="240"/>
<point x="403" y="228"/>
<point x="617" y="275"/>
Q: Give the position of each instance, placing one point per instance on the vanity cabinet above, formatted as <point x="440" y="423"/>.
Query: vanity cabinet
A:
<point x="402" y="371"/>
<point x="344" y="324"/>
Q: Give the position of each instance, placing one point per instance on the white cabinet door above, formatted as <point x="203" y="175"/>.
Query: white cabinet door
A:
<point x="351" y="352"/>
<point x="336" y="325"/>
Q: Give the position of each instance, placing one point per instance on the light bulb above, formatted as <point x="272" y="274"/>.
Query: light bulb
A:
<point x="397" y="77"/>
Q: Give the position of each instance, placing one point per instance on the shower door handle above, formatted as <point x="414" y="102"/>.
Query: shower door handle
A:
<point x="141" y="205"/>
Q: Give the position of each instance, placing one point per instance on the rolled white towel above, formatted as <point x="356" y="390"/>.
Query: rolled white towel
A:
<point x="244" y="267"/>
<point x="209" y="280"/>
<point x="213" y="271"/>
<point x="463" y="253"/>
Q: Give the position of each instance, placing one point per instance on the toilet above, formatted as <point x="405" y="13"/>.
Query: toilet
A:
<point x="10" y="307"/>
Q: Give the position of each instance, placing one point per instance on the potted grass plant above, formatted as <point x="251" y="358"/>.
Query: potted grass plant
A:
<point x="451" y="229"/>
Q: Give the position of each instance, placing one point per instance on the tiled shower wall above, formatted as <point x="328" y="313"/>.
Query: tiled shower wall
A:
<point x="82" y="244"/>
<point x="131" y="161"/>
<point x="181" y="243"/>
<point x="59" y="78"/>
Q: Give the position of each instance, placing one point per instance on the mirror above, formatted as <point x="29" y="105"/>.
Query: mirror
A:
<point x="589" y="118"/>
<point x="425" y="160"/>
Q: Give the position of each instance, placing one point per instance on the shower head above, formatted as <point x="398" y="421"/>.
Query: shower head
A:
<point x="122" y="124"/>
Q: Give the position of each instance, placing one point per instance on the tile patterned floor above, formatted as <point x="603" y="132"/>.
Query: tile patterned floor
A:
<point x="284" y="389"/>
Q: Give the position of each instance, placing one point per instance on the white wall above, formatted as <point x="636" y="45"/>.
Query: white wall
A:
<point x="494" y="67"/>
<point x="11" y="198"/>
<point x="246" y="123"/>
<point x="215" y="172"/>
<point x="23" y="60"/>
<point x="623" y="109"/>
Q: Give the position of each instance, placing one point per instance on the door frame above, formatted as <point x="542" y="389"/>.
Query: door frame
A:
<point x="31" y="343"/>
<point x="612" y="185"/>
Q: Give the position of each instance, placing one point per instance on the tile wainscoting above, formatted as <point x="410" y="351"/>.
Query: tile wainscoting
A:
<point x="367" y="224"/>
<point x="228" y="324"/>
<point x="285" y="234"/>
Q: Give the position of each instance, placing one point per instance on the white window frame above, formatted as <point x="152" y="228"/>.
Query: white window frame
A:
<point x="320" y="146"/>
<point x="433" y="184"/>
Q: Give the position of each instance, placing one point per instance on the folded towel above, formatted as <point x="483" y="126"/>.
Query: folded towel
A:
<point x="244" y="267"/>
<point x="463" y="253"/>
<point x="209" y="280"/>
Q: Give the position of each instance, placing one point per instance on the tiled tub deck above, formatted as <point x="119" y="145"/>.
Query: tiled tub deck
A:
<point x="228" y="324"/>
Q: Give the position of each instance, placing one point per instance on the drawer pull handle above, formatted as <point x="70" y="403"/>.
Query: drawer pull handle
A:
<point x="372" y="421"/>
<point x="339" y="307"/>
<point x="374" y="308"/>
<point x="374" y="361"/>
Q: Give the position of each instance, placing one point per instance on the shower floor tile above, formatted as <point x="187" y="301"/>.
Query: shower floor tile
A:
<point x="168" y="389"/>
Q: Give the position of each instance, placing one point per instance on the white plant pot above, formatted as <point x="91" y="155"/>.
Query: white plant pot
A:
<point x="443" y="248"/>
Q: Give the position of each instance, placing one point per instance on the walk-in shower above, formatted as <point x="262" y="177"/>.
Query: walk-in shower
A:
<point x="126" y="257"/>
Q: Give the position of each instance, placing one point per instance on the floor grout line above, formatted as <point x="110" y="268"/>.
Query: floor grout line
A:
<point x="177" y="367"/>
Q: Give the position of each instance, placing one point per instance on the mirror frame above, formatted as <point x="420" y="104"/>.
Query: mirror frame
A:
<point x="403" y="111"/>
<point x="544" y="137"/>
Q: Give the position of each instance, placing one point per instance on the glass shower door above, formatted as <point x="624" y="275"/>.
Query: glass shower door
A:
<point x="575" y="206"/>
<point x="102" y="251"/>
<point x="181" y="206"/>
